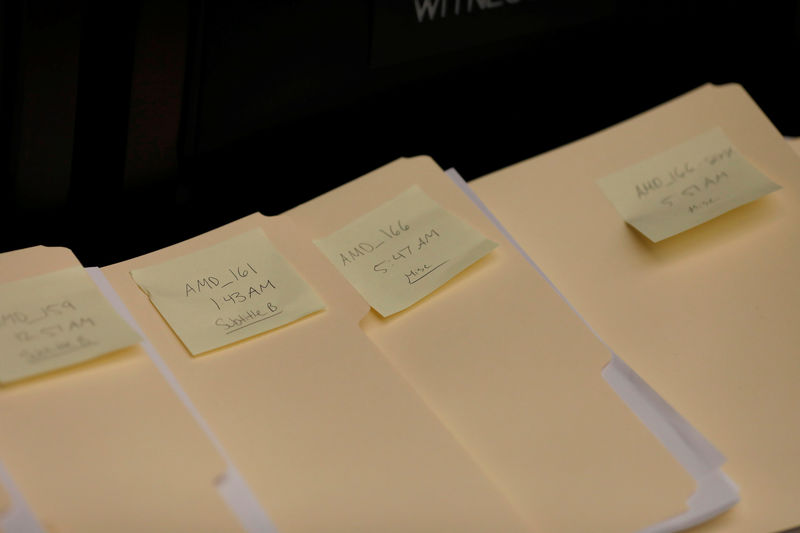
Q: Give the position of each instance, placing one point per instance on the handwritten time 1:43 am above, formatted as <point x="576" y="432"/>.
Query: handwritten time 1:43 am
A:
<point x="243" y="294"/>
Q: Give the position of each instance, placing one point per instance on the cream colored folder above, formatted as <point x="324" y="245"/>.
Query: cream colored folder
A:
<point x="480" y="408"/>
<point x="707" y="317"/>
<point x="326" y="432"/>
<point x="106" y="445"/>
<point x="514" y="374"/>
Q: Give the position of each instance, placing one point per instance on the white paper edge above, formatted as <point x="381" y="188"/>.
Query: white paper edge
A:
<point x="19" y="517"/>
<point x="232" y="487"/>
<point x="714" y="492"/>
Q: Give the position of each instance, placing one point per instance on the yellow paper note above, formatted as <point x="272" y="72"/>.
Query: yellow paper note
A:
<point x="56" y="320"/>
<point x="685" y="186"/>
<point x="228" y="292"/>
<point x="402" y="251"/>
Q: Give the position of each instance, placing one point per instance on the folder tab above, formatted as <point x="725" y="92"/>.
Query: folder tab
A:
<point x="515" y="375"/>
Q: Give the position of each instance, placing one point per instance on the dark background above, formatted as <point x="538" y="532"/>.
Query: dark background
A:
<point x="126" y="127"/>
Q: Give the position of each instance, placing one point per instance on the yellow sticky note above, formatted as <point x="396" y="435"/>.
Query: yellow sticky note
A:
<point x="227" y="292"/>
<point x="56" y="320"/>
<point x="402" y="251"/>
<point x="685" y="186"/>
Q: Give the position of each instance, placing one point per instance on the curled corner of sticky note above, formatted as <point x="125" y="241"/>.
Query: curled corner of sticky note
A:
<point x="132" y="274"/>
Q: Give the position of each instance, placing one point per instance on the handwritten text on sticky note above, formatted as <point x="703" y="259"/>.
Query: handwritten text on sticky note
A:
<point x="685" y="186"/>
<point x="227" y="292"/>
<point x="56" y="320"/>
<point x="403" y="250"/>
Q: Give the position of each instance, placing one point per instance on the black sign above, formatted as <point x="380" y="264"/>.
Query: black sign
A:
<point x="405" y="30"/>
